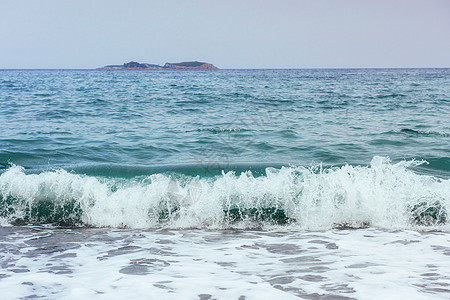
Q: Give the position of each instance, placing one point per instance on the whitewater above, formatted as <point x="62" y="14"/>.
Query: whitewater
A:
<point x="384" y="195"/>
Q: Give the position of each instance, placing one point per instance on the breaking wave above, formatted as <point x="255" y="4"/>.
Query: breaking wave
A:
<point x="383" y="194"/>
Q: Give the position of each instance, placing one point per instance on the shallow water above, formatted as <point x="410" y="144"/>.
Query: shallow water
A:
<point x="232" y="264"/>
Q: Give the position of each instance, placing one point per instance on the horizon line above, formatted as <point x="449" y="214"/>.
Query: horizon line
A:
<point x="293" y="68"/>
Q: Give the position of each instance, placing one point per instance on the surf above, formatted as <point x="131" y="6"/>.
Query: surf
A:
<point x="383" y="195"/>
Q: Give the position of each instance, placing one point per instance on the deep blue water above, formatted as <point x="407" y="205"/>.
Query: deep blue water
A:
<point x="120" y="127"/>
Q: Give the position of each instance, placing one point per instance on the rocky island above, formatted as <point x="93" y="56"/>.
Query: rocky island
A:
<point x="197" y="65"/>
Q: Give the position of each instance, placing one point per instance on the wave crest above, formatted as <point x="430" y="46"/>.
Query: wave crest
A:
<point x="383" y="195"/>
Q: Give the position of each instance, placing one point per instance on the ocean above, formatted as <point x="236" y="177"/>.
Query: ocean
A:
<point x="225" y="184"/>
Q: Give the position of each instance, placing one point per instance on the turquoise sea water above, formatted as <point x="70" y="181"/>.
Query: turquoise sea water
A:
<point x="225" y="184"/>
<point x="71" y="119"/>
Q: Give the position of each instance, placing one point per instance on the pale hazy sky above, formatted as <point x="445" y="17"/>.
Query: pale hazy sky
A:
<point x="229" y="34"/>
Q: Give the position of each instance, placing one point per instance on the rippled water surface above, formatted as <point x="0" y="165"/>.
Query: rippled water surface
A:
<point x="147" y="118"/>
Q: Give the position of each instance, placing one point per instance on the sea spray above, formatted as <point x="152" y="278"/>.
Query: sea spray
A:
<point x="383" y="194"/>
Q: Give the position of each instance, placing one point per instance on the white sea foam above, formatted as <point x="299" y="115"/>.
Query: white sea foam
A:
<point x="205" y="264"/>
<point x="383" y="195"/>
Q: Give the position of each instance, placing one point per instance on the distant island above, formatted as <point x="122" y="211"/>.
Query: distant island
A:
<point x="197" y="65"/>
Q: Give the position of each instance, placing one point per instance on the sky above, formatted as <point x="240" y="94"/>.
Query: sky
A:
<point x="230" y="34"/>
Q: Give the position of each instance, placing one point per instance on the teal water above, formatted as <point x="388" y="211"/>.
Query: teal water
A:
<point x="133" y="148"/>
